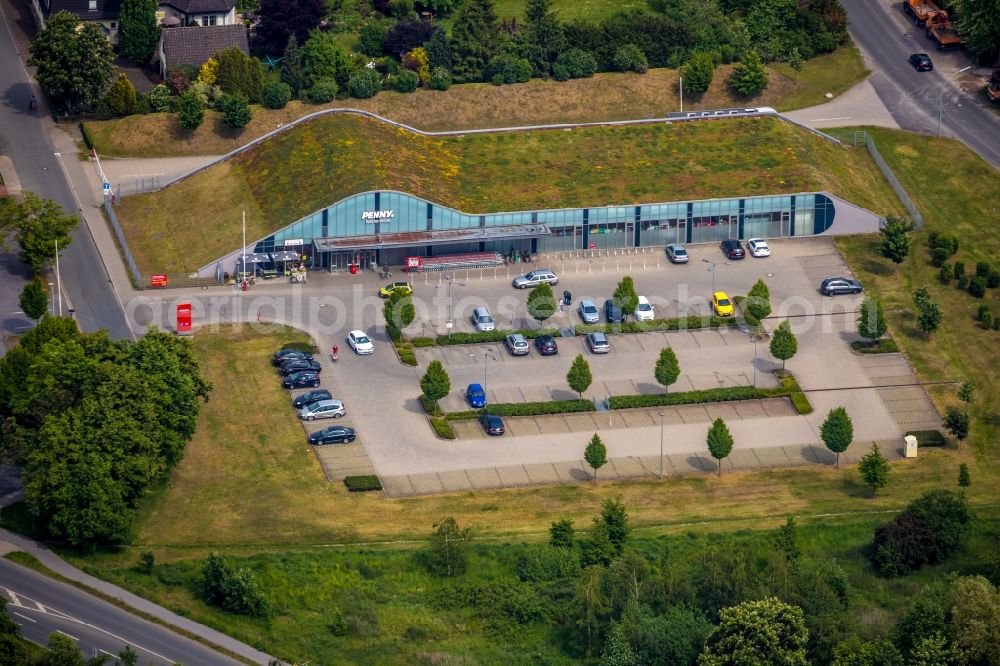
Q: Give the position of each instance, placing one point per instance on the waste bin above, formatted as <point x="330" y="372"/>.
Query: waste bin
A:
<point x="567" y="298"/>
<point x="354" y="269"/>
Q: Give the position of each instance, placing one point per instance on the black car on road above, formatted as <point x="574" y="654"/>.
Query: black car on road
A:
<point x="546" y="345"/>
<point x="733" y="249"/>
<point x="299" y="365"/>
<point x="492" y="424"/>
<point x="289" y="354"/>
<point x="921" y="62"/>
<point x="839" y="285"/>
<point x="333" y="435"/>
<point x="309" y="397"/>
<point x="613" y="312"/>
<point x="305" y="379"/>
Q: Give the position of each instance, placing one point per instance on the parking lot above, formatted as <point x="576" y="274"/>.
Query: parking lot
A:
<point x="381" y="394"/>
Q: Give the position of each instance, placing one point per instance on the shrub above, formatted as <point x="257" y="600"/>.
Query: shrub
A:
<point x="630" y="58"/>
<point x="800" y="401"/>
<point x="463" y="338"/>
<point x="982" y="269"/>
<point x="235" y="591"/>
<point x="160" y="99"/>
<point x="440" y="79"/>
<point x="959" y="269"/>
<point x="443" y="429"/>
<point x="946" y="242"/>
<point x="982" y="310"/>
<point x="527" y="409"/>
<point x="987" y="320"/>
<point x="506" y="68"/>
<point x="406" y="81"/>
<point x="977" y="287"/>
<point x="993" y="281"/>
<point x="945" y="274"/>
<point x="121" y="97"/>
<point x="544" y="563"/>
<point x="963" y="281"/>
<point x="323" y="91"/>
<point x="364" y="83"/>
<point x="927" y="438"/>
<point x="699" y="72"/>
<point x="407" y="356"/>
<point x="677" y="324"/>
<point x="276" y="95"/>
<point x="939" y="255"/>
<point x="363" y="483"/>
<point x="929" y="530"/>
<point x="423" y="342"/>
<point x="686" y="397"/>
<point x="235" y="111"/>
<point x="749" y="77"/>
<point x="996" y="323"/>
<point x="575" y="64"/>
<point x="372" y="37"/>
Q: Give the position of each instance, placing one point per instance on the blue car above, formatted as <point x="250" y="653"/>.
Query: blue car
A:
<point x="476" y="396"/>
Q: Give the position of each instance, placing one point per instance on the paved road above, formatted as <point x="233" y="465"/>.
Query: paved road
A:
<point x="914" y="99"/>
<point x="24" y="139"/>
<point x="41" y="606"/>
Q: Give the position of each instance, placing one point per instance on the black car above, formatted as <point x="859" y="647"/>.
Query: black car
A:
<point x="288" y="355"/>
<point x="839" y="285"/>
<point x="333" y="435"/>
<point x="921" y="62"/>
<point x="733" y="249"/>
<point x="305" y="379"/>
<point x="299" y="365"/>
<point x="546" y="345"/>
<point x="612" y="312"/>
<point x="492" y="424"/>
<point x="309" y="397"/>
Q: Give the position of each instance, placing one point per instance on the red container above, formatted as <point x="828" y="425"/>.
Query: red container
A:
<point x="354" y="269"/>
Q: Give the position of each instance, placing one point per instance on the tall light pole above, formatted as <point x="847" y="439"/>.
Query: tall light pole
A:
<point x="58" y="280"/>
<point x="681" y="80"/>
<point x="941" y="102"/>
<point x="712" y="270"/>
<point x="451" y="322"/>
<point x="661" y="445"/>
<point x="755" y="360"/>
<point x="486" y="356"/>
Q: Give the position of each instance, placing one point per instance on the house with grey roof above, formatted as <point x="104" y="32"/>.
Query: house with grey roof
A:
<point x="205" y="13"/>
<point x="195" y="45"/>
<point x="102" y="12"/>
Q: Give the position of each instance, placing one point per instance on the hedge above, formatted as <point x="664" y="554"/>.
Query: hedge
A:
<point x="442" y="428"/>
<point x="360" y="484"/>
<point x="423" y="342"/>
<point x="678" y="324"/>
<point x="430" y="406"/>
<point x="928" y="437"/>
<point x="801" y="403"/>
<point x="527" y="409"/>
<point x="463" y="338"/>
<point x="884" y="346"/>
<point x="686" y="397"/>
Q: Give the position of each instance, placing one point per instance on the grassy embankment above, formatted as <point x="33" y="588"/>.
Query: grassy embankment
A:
<point x="607" y="96"/>
<point x="191" y="223"/>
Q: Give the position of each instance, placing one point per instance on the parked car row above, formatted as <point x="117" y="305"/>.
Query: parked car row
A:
<point x="300" y="370"/>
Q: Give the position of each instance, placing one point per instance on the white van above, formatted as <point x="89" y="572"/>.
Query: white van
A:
<point x="482" y="319"/>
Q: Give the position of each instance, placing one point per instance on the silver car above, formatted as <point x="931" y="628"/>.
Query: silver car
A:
<point x="324" y="409"/>
<point x="535" y="278"/>
<point x="589" y="313"/>
<point x="677" y="254"/>
<point x="517" y="345"/>
<point x="598" y="342"/>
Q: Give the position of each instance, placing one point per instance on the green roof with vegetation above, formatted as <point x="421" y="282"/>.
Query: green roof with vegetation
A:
<point x="313" y="165"/>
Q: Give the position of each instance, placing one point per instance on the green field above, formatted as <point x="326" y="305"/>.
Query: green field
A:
<point x="314" y="165"/>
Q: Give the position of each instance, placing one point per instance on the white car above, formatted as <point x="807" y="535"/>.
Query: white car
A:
<point x="360" y="342"/>
<point x="644" y="311"/>
<point x="758" y="247"/>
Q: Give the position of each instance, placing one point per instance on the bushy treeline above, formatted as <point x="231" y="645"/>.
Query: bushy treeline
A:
<point x="95" y="422"/>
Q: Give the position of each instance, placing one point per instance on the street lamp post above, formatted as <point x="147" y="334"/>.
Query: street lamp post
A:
<point x="451" y="322"/>
<point x="661" y="445"/>
<point x="941" y="102"/>
<point x="712" y="270"/>
<point x="486" y="356"/>
<point x="755" y="360"/>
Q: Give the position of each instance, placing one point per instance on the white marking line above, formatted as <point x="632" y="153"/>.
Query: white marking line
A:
<point x="67" y="635"/>
<point x="113" y="656"/>
<point x="817" y="120"/>
<point x="25" y="617"/>
<point x="13" y="598"/>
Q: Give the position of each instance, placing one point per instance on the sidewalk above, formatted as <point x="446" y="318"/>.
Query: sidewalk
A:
<point x="10" y="541"/>
<point x="860" y="105"/>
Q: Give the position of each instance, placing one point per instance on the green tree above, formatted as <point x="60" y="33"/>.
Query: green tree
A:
<point x="449" y="552"/>
<point x="966" y="393"/>
<point x="364" y="83"/>
<point x="596" y="454"/>
<point x="127" y="656"/>
<point x="11" y="644"/>
<point x="438" y="51"/>
<point x="276" y="95"/>
<point x="874" y="469"/>
<point x="588" y="610"/>
<point x="235" y="111"/>
<point x="876" y="653"/>
<point x="63" y="651"/>
<point x="541" y="36"/>
<point x="674" y="637"/>
<point x="239" y="74"/>
<point x="292" y="71"/>
<point x="974" y="618"/>
<point x="896" y="240"/>
<point x="190" y="111"/>
<point x="761" y="632"/>
<point x="399" y="312"/>
<point x="323" y="58"/>
<point x="934" y="650"/>
<point x="796" y="61"/>
<point x="964" y="481"/>
<point x="561" y="533"/>
<point x="784" y="344"/>
<point x="435" y="383"/>
<point x="749" y="77"/>
<point x="74" y="61"/>
<point x="979" y="24"/>
<point x="121" y="98"/>
<point x="541" y="302"/>
<point x="147" y="561"/>
<point x="615" y="518"/>
<point x="871" y="324"/>
<point x="475" y="39"/>
<point x="787" y="541"/>
<point x="758" y="301"/>
<point x="957" y="423"/>
<point x="138" y="32"/>
<point x="625" y="295"/>
<point x="667" y="368"/>
<point x="720" y="441"/>
<point x="837" y="431"/>
<point x="699" y="72"/>
<point x="38" y="225"/>
<point x="579" y="377"/>
<point x="33" y="300"/>
<point x="617" y="648"/>
<point x="598" y="549"/>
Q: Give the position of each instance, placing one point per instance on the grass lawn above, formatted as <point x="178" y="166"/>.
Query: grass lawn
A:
<point x="608" y="96"/>
<point x="311" y="166"/>
<point x="592" y="11"/>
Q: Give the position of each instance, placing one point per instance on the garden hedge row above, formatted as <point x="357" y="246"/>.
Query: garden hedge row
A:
<point x="527" y="409"/>
<point x="464" y="338"/>
<point x="677" y="324"/>
<point x="686" y="397"/>
<point x="360" y="484"/>
<point x="442" y="428"/>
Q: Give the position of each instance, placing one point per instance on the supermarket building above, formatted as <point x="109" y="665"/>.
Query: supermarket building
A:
<point x="385" y="227"/>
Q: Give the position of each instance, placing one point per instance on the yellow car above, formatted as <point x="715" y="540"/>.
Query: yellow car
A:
<point x="391" y="288"/>
<point x="722" y="305"/>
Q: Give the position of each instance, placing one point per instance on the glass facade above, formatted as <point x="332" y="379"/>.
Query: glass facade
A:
<point x="396" y="224"/>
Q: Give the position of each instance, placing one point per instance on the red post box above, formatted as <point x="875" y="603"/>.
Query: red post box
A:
<point x="183" y="319"/>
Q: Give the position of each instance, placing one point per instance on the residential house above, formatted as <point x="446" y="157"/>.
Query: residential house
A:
<point x="102" y="12"/>
<point x="205" y="13"/>
<point x="195" y="45"/>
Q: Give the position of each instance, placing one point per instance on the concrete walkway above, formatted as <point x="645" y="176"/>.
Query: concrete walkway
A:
<point x="860" y="105"/>
<point x="10" y="541"/>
